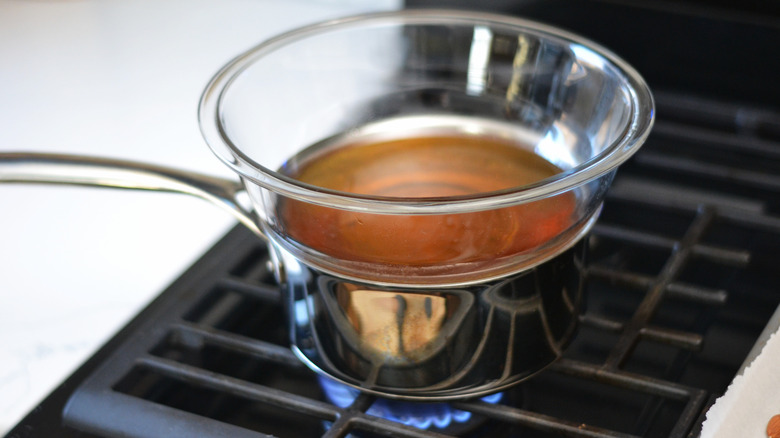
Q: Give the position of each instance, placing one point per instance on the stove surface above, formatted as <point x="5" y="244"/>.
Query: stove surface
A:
<point x="681" y="282"/>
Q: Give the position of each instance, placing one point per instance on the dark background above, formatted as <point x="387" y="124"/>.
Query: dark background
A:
<point x="728" y="49"/>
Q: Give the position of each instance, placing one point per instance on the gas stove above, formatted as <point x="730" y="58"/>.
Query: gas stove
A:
<point x="681" y="283"/>
<point x="681" y="275"/>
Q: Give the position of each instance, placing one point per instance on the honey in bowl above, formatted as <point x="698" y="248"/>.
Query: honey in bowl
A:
<point x="434" y="166"/>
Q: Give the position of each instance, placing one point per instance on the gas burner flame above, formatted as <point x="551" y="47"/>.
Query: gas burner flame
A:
<point x="420" y="415"/>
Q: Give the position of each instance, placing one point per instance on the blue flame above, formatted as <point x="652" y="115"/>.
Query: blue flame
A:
<point x="419" y="415"/>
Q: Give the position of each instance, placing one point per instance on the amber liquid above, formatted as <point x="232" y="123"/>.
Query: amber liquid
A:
<point x="426" y="167"/>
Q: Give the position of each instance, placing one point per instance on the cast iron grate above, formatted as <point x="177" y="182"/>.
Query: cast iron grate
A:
<point x="682" y="280"/>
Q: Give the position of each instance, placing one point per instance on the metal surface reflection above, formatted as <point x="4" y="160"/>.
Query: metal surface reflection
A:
<point x="437" y="343"/>
<point x="397" y="326"/>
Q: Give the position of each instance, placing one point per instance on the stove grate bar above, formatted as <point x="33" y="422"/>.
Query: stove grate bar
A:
<point x="737" y="216"/>
<point x="730" y="174"/>
<point x="237" y="387"/>
<point x="601" y="323"/>
<point x="537" y="421"/>
<point x="675" y="338"/>
<point x="672" y="194"/>
<point x="769" y="223"/>
<point x="747" y="122"/>
<point x="723" y="255"/>
<point x="196" y="336"/>
<point x="704" y="295"/>
<point x="717" y="139"/>
<point x="624" y="379"/>
<point x="130" y="417"/>
<point x="267" y="293"/>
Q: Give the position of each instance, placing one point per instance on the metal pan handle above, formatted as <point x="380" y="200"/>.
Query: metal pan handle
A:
<point x="40" y="168"/>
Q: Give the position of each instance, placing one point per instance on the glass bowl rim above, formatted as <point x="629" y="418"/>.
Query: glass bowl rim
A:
<point x="633" y="135"/>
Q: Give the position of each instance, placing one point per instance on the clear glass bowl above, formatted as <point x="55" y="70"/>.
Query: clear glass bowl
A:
<point x="419" y="73"/>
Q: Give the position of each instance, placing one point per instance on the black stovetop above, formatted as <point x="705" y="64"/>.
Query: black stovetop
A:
<point x="682" y="279"/>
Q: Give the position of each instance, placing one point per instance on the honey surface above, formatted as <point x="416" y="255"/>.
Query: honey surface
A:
<point x="435" y="166"/>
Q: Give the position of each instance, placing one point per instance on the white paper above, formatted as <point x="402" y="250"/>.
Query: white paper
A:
<point x="751" y="400"/>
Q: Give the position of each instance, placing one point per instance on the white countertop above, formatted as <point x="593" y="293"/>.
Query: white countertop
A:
<point x="118" y="79"/>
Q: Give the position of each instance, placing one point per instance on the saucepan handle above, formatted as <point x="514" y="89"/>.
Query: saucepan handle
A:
<point x="24" y="167"/>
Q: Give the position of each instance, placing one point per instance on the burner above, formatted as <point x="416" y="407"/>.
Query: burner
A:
<point x="440" y="417"/>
